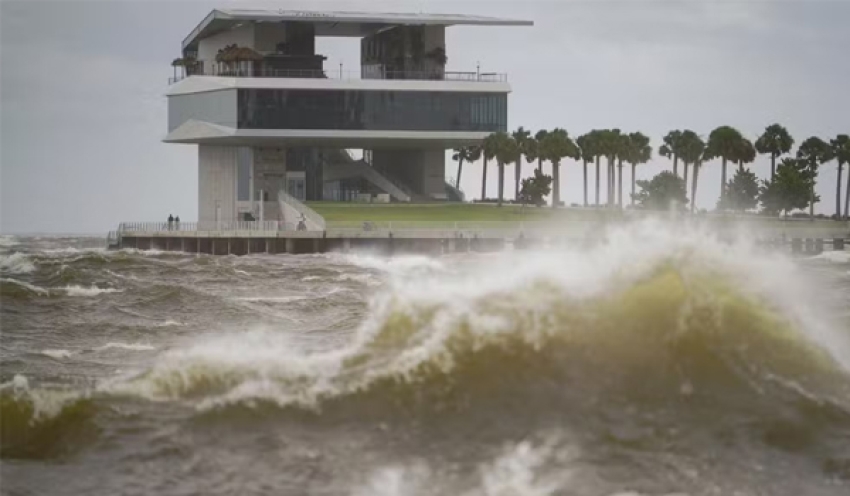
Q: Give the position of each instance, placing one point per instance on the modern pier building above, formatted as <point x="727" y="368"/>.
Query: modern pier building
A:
<point x="272" y="123"/>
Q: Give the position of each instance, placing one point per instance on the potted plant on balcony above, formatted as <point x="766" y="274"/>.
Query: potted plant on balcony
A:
<point x="233" y="55"/>
<point x="178" y="62"/>
<point x="438" y="55"/>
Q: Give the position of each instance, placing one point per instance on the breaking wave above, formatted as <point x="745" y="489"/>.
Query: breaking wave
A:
<point x="16" y="263"/>
<point x="125" y="346"/>
<point x="13" y="288"/>
<point x="649" y="316"/>
<point x="38" y="422"/>
<point x="57" y="354"/>
<point x="90" y="291"/>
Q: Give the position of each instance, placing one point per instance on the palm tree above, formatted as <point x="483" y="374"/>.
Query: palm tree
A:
<point x="531" y="149"/>
<point x="671" y="148"/>
<point x="507" y="151"/>
<point x="639" y="152"/>
<point x="539" y="136"/>
<point x="814" y="151"/>
<point x="467" y="153"/>
<point x="594" y="145"/>
<point x="776" y="141"/>
<point x="723" y="143"/>
<point x="692" y="149"/>
<point x="585" y="144"/>
<point x="623" y="145"/>
<point x="745" y="154"/>
<point x="556" y="146"/>
<point x="609" y="145"/>
<point x="841" y="152"/>
<point x="521" y="136"/>
<point x="488" y="151"/>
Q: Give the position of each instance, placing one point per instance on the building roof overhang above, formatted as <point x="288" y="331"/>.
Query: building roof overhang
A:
<point x="200" y="132"/>
<point x="327" y="23"/>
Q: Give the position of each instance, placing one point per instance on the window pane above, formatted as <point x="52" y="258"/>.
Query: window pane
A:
<point x="372" y="110"/>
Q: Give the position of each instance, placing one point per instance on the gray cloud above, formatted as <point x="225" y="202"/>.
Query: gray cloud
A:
<point x="83" y="113"/>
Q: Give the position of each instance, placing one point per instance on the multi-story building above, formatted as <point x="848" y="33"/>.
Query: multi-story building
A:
<point x="267" y="116"/>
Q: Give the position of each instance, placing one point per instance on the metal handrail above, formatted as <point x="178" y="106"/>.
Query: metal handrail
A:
<point x="469" y="76"/>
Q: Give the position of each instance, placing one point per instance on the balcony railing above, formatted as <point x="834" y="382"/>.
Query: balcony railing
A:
<point x="473" y="76"/>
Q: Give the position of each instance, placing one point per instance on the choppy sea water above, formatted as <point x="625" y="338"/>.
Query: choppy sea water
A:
<point x="660" y="362"/>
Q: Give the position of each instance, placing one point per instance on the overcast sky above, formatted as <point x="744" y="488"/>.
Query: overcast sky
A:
<point x="83" y="111"/>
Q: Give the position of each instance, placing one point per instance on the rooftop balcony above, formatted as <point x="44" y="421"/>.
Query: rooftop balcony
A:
<point x="365" y="73"/>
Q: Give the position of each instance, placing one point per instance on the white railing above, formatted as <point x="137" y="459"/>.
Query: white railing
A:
<point x="204" y="226"/>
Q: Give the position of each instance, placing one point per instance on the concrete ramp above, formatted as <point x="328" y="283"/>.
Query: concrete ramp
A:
<point x="335" y="172"/>
<point x="293" y="211"/>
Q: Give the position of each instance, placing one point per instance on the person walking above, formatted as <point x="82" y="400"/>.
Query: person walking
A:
<point x="170" y="221"/>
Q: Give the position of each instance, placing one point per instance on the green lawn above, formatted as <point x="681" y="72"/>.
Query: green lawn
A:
<point x="343" y="214"/>
<point x="443" y="212"/>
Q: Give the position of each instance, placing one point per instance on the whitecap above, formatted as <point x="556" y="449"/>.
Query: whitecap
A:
<point x="58" y="354"/>
<point x="33" y="288"/>
<point x="170" y="323"/>
<point x="7" y="241"/>
<point x="839" y="257"/>
<point x="125" y="346"/>
<point x="16" y="263"/>
<point x="91" y="291"/>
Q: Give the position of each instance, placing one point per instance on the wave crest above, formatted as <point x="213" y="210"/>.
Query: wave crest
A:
<point x="38" y="423"/>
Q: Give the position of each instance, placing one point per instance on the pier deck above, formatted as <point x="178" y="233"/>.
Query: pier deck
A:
<point x="243" y="238"/>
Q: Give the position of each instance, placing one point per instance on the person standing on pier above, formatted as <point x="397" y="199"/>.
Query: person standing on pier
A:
<point x="177" y="223"/>
<point x="170" y="221"/>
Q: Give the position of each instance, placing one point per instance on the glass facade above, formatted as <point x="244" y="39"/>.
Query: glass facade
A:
<point x="243" y="174"/>
<point x="372" y="110"/>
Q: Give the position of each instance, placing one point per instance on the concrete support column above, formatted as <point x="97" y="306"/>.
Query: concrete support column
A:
<point x="810" y="245"/>
<point x="838" y="244"/>
<point x="796" y="246"/>
<point x="290" y="245"/>
<point x="819" y="245"/>
<point x="183" y="244"/>
<point x="346" y="245"/>
<point x="266" y="241"/>
<point x="197" y="245"/>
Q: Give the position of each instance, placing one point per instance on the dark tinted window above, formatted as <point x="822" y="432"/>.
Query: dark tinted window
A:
<point x="372" y="110"/>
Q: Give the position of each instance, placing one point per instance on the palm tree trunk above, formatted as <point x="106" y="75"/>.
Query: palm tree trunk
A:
<point x="620" y="184"/>
<point x="516" y="178"/>
<point x="634" y="168"/>
<point x="556" y="186"/>
<point x="847" y="197"/>
<point x="484" y="182"/>
<point x="723" y="184"/>
<point x="685" y="175"/>
<point x="584" y="175"/>
<point x="676" y="165"/>
<point x="501" y="182"/>
<point x="459" y="170"/>
<point x="611" y="181"/>
<point x="694" y="187"/>
<point x="772" y="166"/>
<point x="740" y="166"/>
<point x="540" y="164"/>
<point x="838" y="192"/>
<point x="812" y="201"/>
<point x="597" y="180"/>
